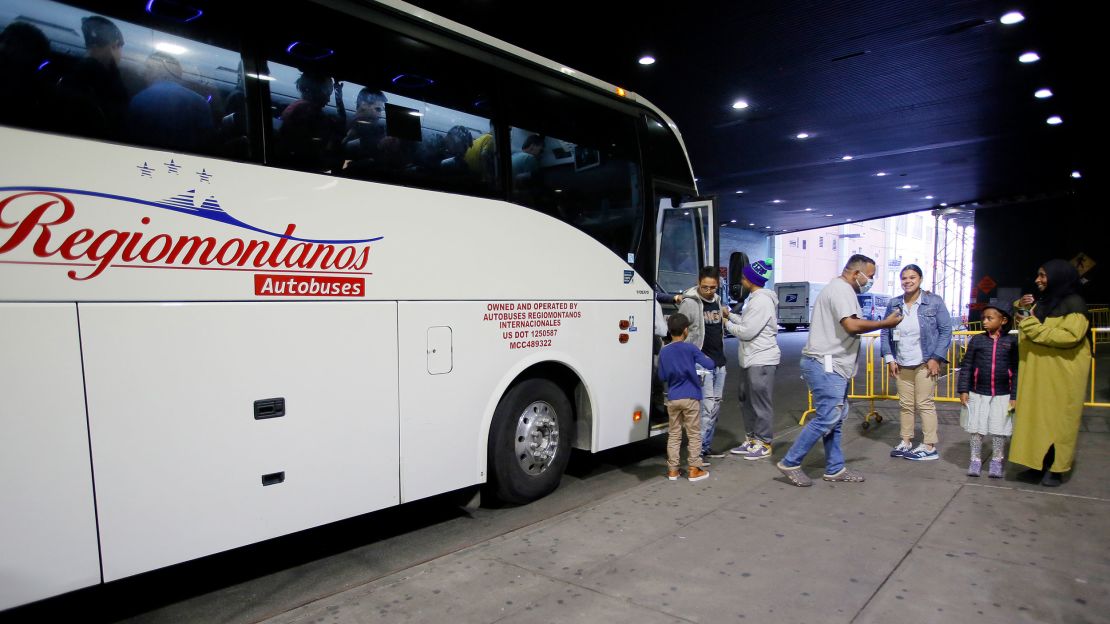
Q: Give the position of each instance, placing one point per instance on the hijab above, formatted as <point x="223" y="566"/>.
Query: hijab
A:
<point x="1061" y="295"/>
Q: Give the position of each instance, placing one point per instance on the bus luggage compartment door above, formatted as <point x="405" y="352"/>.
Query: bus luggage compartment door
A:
<point x="183" y="466"/>
<point x="47" y="523"/>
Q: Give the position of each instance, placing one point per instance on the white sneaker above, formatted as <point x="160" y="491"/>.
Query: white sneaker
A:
<point x="922" y="453"/>
<point x="901" y="450"/>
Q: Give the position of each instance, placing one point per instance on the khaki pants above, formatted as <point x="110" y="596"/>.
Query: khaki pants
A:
<point x="683" y="414"/>
<point x="915" y="394"/>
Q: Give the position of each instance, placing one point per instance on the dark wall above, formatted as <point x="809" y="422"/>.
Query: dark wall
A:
<point x="1012" y="242"/>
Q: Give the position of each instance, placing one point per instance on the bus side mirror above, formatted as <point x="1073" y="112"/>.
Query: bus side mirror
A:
<point x="737" y="260"/>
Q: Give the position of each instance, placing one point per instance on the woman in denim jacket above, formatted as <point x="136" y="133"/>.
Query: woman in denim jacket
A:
<point x="914" y="352"/>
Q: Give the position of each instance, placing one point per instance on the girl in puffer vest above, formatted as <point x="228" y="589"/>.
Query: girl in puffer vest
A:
<point x="988" y="388"/>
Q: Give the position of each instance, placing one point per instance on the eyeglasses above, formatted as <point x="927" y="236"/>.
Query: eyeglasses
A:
<point x="707" y="288"/>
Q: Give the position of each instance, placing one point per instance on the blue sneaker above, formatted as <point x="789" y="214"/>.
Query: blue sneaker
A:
<point x="901" y="450"/>
<point x="921" y="453"/>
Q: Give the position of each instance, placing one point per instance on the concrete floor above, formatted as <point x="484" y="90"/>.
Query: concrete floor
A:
<point x="919" y="541"/>
<point x="619" y="543"/>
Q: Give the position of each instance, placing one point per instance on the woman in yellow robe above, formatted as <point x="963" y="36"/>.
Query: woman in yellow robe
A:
<point x="1054" y="358"/>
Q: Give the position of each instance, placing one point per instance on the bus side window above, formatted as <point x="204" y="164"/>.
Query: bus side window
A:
<point x="130" y="76"/>
<point x="372" y="104"/>
<point x="578" y="164"/>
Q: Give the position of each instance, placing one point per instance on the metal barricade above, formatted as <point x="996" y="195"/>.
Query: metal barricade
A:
<point x="877" y="384"/>
<point x="1099" y="334"/>
<point x="1100" y="319"/>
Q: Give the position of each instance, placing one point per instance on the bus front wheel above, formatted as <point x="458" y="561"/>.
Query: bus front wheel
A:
<point x="529" y="441"/>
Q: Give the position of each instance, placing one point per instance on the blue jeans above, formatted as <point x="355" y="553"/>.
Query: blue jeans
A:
<point x="712" y="388"/>
<point x="830" y="399"/>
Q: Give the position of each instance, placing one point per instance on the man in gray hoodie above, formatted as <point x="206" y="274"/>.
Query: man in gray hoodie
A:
<point x="702" y="306"/>
<point x="757" y="327"/>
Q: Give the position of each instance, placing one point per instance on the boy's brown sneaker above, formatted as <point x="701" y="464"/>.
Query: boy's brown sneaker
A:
<point x="672" y="474"/>
<point x="696" y="474"/>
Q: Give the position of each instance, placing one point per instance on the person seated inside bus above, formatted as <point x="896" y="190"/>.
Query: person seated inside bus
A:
<point x="368" y="126"/>
<point x="309" y="136"/>
<point x="526" y="162"/>
<point x="23" y="50"/>
<point x="481" y="158"/>
<point x="232" y="131"/>
<point x="166" y="113"/>
<point x="526" y="182"/>
<point x="456" y="143"/>
<point x="93" y="96"/>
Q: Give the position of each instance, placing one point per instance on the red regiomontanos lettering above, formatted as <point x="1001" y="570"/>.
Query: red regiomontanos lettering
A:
<point x="45" y="212"/>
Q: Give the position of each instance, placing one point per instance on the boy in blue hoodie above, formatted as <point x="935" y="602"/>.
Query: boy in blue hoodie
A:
<point x="677" y="367"/>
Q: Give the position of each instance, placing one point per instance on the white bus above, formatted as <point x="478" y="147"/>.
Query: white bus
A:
<point x="234" y="306"/>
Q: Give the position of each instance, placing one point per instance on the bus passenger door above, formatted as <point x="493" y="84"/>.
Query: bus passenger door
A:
<point x="686" y="240"/>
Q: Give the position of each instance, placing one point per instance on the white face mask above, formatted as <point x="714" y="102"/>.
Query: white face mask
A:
<point x="867" y="285"/>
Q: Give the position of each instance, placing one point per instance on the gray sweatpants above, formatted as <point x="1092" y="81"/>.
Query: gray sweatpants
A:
<point x="757" y="383"/>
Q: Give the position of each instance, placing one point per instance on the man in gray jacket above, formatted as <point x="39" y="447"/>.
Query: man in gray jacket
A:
<point x="702" y="306"/>
<point x="757" y="327"/>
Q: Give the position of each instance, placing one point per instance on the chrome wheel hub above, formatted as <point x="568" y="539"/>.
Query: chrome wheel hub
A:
<point x="537" y="437"/>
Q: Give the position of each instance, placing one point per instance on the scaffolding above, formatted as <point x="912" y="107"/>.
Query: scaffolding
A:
<point x="953" y="247"/>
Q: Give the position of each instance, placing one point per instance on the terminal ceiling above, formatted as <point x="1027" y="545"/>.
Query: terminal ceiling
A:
<point x="928" y="92"/>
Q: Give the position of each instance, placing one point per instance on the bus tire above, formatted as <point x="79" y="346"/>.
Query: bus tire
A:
<point x="529" y="442"/>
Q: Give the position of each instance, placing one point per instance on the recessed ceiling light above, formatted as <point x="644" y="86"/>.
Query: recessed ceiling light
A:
<point x="739" y="192"/>
<point x="733" y="221"/>
<point x="1076" y="175"/>
<point x="828" y="215"/>
<point x="943" y="203"/>
<point x="1013" y="17"/>
<point x="801" y="135"/>
<point x="846" y="157"/>
<point x="1029" y="57"/>
<point x="881" y="174"/>
<point x="848" y="219"/>
<point x="776" y="201"/>
<point x="751" y="225"/>
<point x="809" y="209"/>
<point x="647" y="59"/>
<point x="1042" y="94"/>
<point x="766" y="227"/>
<point x="1054" y="120"/>
<point x="929" y="197"/>
<point x="906" y="187"/>
<point x="740" y="104"/>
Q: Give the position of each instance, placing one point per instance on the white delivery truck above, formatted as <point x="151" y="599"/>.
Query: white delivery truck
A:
<point x="796" y="303"/>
